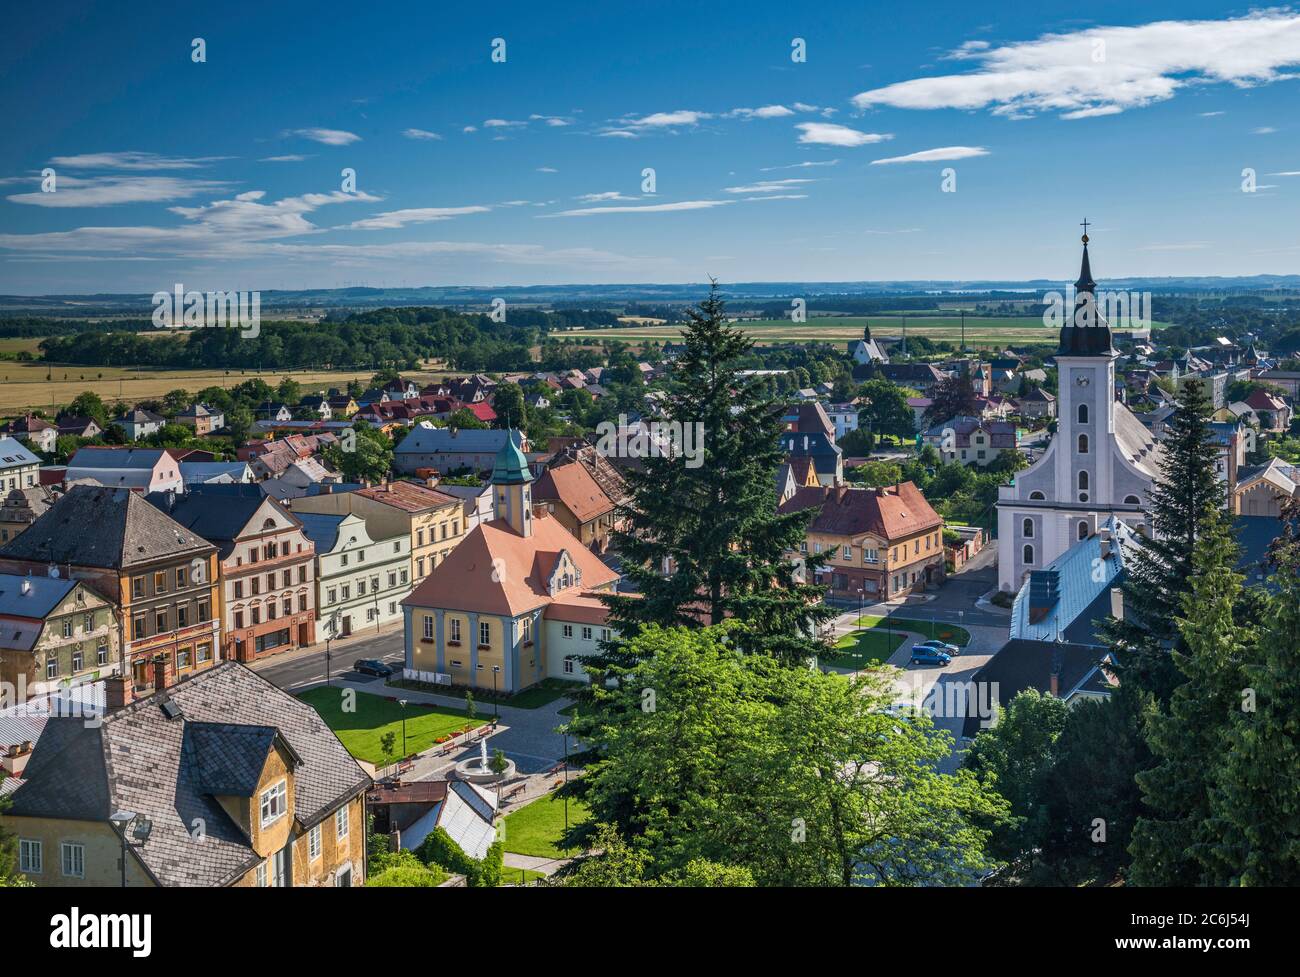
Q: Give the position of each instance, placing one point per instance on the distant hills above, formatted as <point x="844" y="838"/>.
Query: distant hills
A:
<point x="594" y="296"/>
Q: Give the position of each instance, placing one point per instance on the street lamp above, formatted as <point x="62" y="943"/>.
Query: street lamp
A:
<point x="402" y="703"/>
<point x="495" y="715"/>
<point x="121" y="820"/>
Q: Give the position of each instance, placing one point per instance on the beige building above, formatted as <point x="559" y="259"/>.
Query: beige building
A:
<point x="241" y="785"/>
<point x="54" y="633"/>
<point x="434" y="521"/>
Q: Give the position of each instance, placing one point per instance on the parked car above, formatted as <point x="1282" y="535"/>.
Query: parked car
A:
<point x="929" y="655"/>
<point x="373" y="666"/>
<point x="952" y="650"/>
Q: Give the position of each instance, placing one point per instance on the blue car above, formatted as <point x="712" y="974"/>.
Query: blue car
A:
<point x="929" y="655"/>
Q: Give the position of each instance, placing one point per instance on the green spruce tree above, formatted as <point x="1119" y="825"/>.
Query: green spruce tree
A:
<point x="1159" y="572"/>
<point x="1169" y="843"/>
<point x="712" y="522"/>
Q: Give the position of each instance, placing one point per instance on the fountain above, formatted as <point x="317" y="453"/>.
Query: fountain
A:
<point x="478" y="770"/>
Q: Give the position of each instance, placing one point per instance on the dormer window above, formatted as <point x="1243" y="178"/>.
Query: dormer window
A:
<point x="274" y="803"/>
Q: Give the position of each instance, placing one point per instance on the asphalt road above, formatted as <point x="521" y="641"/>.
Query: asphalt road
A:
<point x="294" y="670"/>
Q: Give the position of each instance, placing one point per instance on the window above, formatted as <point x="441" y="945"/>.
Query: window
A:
<point x="286" y="606"/>
<point x="1083" y="413"/>
<point x="406" y="576"/>
<point x="67" y="627"/>
<point x="1083" y="530"/>
<point x="256" y="584"/>
<point x="1028" y="554"/>
<point x="1083" y="481"/>
<point x="255" y="615"/>
<point x="341" y="822"/>
<point x="138" y="627"/>
<point x="261" y="876"/>
<point x="331" y="596"/>
<point x="78" y="659"/>
<point x="183" y="657"/>
<point x="347" y="591"/>
<point x="484" y="633"/>
<point x="1083" y="444"/>
<point x="871" y="556"/>
<point x="455" y="630"/>
<point x="397" y="546"/>
<point x="392" y="578"/>
<point x="313" y="843"/>
<point x="182" y="615"/>
<point x="302" y="574"/>
<point x="586" y="634"/>
<point x="31" y="860"/>
<point x="274" y="803"/>
<point x="239" y="589"/>
<point x="286" y="579"/>
<point x="137" y="587"/>
<point x="74" y="860"/>
<point x="181" y="579"/>
<point x="101" y="654"/>
<point x="528" y="631"/>
<point x="205" y="652"/>
<point x="848" y="552"/>
<point x="160" y="582"/>
<point x="1027" y="529"/>
<point x="419" y="567"/>
<point x="1037" y="496"/>
<point x="568" y="665"/>
<point x="568" y="630"/>
<point x="52" y="667"/>
<point x="302" y="602"/>
<point x="239" y="619"/>
<point x="1131" y="500"/>
<point x="604" y="634"/>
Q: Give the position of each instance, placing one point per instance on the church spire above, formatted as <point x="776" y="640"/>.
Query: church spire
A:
<point x="1086" y="333"/>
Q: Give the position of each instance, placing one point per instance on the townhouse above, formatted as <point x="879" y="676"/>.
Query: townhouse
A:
<point x="54" y="633"/>
<point x="879" y="543"/>
<point x="19" y="468"/>
<point x="138" y="469"/>
<point x="159" y="576"/>
<point x="360" y="581"/>
<point x="241" y="785"/>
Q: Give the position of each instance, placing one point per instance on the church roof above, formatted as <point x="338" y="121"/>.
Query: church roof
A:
<point x="511" y="467"/>
<point x="1092" y="337"/>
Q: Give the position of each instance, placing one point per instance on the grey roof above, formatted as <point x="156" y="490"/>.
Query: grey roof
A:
<point x="43" y="594"/>
<point x="103" y="527"/>
<point x="1022" y="664"/>
<point x="219" y="517"/>
<point x="13" y="453"/>
<point x="427" y="439"/>
<point x="141" y="416"/>
<point x="139" y="760"/>
<point x="112" y="458"/>
<point x="321" y="529"/>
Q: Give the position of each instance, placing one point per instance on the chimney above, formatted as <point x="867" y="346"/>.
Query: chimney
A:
<point x="1105" y="548"/>
<point x="1054" y="681"/>
<point x="118" y="691"/>
<point x="26" y="586"/>
<point x="1117" y="603"/>
<point x="326" y="488"/>
<point x="161" y="672"/>
<point x="431" y="482"/>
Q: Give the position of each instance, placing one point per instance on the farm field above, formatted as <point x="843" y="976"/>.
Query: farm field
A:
<point x="980" y="330"/>
<point x="23" y="385"/>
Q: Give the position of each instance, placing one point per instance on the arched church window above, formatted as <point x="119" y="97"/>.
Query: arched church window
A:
<point x="1083" y="444"/>
<point x="1083" y="413"/>
<point x="1027" y="529"/>
<point x="1083" y="481"/>
<point x="1028" y="554"/>
<point x="1037" y="496"/>
<point x="1083" y="529"/>
<point x="1132" y="500"/>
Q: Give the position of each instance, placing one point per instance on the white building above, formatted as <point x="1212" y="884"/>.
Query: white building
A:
<point x="1101" y="463"/>
<point x="19" y="468"/>
<point x="360" y="582"/>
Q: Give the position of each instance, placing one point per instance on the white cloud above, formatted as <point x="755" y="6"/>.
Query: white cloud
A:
<point x="935" y="155"/>
<point x="663" y="120"/>
<point x="831" y="134"/>
<point x="1263" y="131"/>
<point x="767" y="186"/>
<point x="801" y="166"/>
<point x="287" y="158"/>
<point x="554" y="121"/>
<point x="1285" y="173"/>
<point x="502" y="124"/>
<point x="131" y="161"/>
<point x="330" y="137"/>
<point x="591" y="198"/>
<point x="547" y="169"/>
<point x="1209" y="115"/>
<point x="1134" y="67"/>
<point x="420" y="134"/>
<point x="618" y="134"/>
<point x="766" y="112"/>
<point x="415" y="215"/>
<point x="470" y="129"/>
<point x="108" y="191"/>
<point x="645" y="208"/>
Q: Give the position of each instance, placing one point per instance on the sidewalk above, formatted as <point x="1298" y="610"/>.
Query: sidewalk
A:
<point x="337" y="646"/>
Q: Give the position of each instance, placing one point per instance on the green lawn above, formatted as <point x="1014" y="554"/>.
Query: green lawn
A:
<point x="361" y="730"/>
<point x="542" y="694"/>
<point x="519" y="876"/>
<point x="535" y="829"/>
<point x="860" y="649"/>
<point x="950" y="633"/>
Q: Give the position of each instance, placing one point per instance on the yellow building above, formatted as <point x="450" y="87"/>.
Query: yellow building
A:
<point x="434" y="521"/>
<point x="241" y="785"/>
<point x="515" y="603"/>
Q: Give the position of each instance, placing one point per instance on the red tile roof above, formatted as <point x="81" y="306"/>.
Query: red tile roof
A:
<point x="892" y="513"/>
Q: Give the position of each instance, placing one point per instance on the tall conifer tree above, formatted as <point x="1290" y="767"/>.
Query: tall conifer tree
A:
<point x="704" y="542"/>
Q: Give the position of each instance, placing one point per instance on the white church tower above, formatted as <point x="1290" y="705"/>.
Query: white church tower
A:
<point x="1102" y="461"/>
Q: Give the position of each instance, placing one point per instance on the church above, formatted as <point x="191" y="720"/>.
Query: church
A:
<point x="1101" y="463"/>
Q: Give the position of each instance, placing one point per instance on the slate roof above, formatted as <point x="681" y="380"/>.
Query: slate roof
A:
<point x="219" y="517"/>
<point x="1021" y="664"/>
<point x="426" y="440"/>
<point x="13" y="453"/>
<point x="137" y="759"/>
<point x="43" y="594"/>
<point x="95" y="526"/>
<point x="321" y="529"/>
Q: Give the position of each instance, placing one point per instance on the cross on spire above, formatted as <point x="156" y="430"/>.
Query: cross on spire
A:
<point x="1085" y="230"/>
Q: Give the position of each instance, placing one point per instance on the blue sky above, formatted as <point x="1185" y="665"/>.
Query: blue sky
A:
<point x="226" y="174"/>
